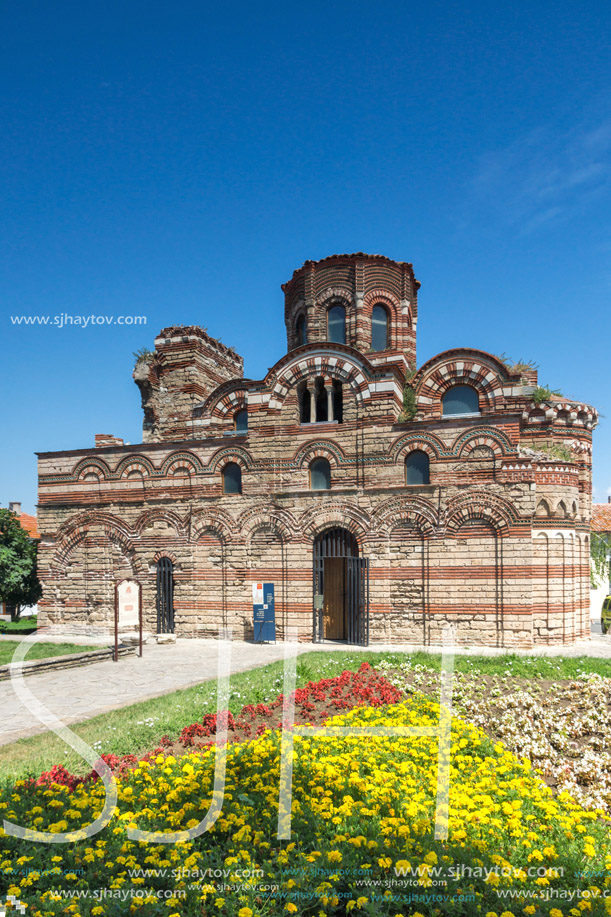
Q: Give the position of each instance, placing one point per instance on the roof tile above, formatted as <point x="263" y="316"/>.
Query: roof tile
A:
<point x="601" y="517"/>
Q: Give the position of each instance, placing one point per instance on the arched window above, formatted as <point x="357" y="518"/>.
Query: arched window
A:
<point x="240" y="421"/>
<point x="232" y="479"/>
<point x="336" y="325"/>
<point x="460" y="399"/>
<point x="301" y="336"/>
<point x="165" y="596"/>
<point x="379" y="328"/>
<point x="417" y="468"/>
<point x="304" y="403"/>
<point x="320" y="474"/>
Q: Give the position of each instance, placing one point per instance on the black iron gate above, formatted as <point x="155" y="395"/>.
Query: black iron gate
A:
<point x="357" y="573"/>
<point x="340" y="543"/>
<point x="165" y="596"/>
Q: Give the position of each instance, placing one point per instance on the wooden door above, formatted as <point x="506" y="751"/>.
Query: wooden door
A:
<point x="334" y="608"/>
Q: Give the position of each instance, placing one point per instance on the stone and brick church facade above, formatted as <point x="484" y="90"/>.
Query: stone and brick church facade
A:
<point x="380" y="499"/>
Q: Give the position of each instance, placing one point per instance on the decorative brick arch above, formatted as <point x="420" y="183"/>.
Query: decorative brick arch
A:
<point x="425" y="442"/>
<point x="561" y="511"/>
<point x="264" y="516"/>
<point x="65" y="545"/>
<point x="319" y="449"/>
<point x="336" y="515"/>
<point x="76" y="530"/>
<point x="90" y="466"/>
<point x="494" y="439"/>
<point x="333" y="365"/>
<point x="134" y="463"/>
<point x="498" y="513"/>
<point x="330" y="294"/>
<point x="160" y="555"/>
<point x="543" y="510"/>
<point x="398" y="510"/>
<point x="393" y="306"/>
<point x="334" y="296"/>
<point x="182" y="460"/>
<point x="571" y="413"/>
<point x="119" y="537"/>
<point x="224" y="406"/>
<point x="475" y="368"/>
<point x="231" y="454"/>
<point x="150" y="516"/>
<point x="212" y="519"/>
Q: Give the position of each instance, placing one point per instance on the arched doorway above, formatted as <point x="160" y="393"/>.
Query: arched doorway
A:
<point x="165" y="596"/>
<point x="341" y="588"/>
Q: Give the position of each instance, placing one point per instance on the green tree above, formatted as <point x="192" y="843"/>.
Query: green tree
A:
<point x="600" y="550"/>
<point x="19" y="584"/>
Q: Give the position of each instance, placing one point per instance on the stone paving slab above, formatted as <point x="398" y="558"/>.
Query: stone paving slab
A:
<point x="81" y="693"/>
<point x="77" y="694"/>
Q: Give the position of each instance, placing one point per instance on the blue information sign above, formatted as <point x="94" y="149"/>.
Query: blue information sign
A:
<point x="264" y="612"/>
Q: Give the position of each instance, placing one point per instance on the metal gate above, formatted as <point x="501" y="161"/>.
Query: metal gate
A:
<point x="340" y="543"/>
<point x="357" y="573"/>
<point x="165" y="596"/>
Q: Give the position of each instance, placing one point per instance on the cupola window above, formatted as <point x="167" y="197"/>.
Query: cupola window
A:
<point x="301" y="336"/>
<point x="336" y="325"/>
<point x="379" y="328"/>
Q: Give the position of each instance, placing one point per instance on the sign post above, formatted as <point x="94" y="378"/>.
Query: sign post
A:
<point x="128" y="610"/>
<point x="264" y="612"/>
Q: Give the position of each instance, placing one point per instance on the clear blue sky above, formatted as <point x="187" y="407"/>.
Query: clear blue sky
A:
<point x="180" y="160"/>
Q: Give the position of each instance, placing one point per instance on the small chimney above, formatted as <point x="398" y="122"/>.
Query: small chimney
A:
<point x="107" y="439"/>
<point x="15" y="507"/>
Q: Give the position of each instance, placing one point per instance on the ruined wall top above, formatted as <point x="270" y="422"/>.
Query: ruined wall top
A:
<point x="185" y="367"/>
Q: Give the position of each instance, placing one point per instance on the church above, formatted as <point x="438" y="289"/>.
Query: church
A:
<point x="382" y="499"/>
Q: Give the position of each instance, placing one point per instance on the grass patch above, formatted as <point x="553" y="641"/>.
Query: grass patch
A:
<point x="40" y="650"/>
<point x="138" y="727"/>
<point x="25" y="626"/>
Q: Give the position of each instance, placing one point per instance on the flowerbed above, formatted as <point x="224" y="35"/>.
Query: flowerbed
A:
<point x="362" y="833"/>
<point x="562" y="727"/>
<point x="314" y="704"/>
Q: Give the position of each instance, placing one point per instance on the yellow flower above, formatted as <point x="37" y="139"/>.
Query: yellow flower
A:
<point x="291" y="908"/>
<point x="245" y="912"/>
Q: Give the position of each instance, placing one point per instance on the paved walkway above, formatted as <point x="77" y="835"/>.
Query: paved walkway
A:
<point x="80" y="693"/>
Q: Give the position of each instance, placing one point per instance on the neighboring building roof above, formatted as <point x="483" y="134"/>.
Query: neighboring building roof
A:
<point x="29" y="524"/>
<point x="601" y="517"/>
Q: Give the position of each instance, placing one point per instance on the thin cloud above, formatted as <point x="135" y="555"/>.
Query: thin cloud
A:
<point x="544" y="177"/>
